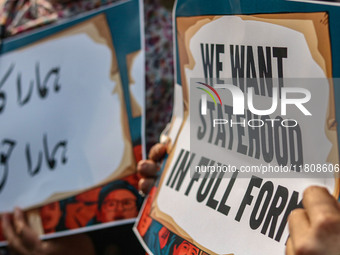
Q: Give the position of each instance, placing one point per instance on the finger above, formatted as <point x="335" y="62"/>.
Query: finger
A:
<point x="147" y="168"/>
<point x="289" y="247"/>
<point x="318" y="202"/>
<point x="299" y="225"/>
<point x="28" y="237"/>
<point x="19" y="221"/>
<point x="145" y="184"/>
<point x="157" y="152"/>
<point x="13" y="240"/>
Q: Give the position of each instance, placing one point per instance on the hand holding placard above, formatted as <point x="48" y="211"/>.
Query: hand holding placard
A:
<point x="316" y="228"/>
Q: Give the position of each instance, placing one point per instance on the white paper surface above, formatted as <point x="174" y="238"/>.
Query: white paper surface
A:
<point x="84" y="112"/>
<point x="137" y="89"/>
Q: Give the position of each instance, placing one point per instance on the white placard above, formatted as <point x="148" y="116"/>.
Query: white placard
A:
<point x="75" y="106"/>
<point x="235" y="216"/>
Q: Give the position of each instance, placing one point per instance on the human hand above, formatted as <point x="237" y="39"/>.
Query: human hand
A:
<point x="315" y="230"/>
<point x="21" y="238"/>
<point x="148" y="168"/>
